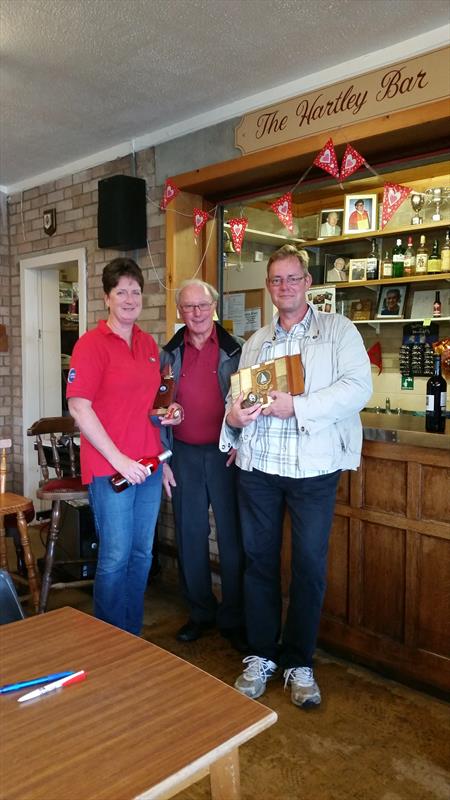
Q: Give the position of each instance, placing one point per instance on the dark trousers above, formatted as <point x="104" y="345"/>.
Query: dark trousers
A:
<point x="262" y="500"/>
<point x="203" y="480"/>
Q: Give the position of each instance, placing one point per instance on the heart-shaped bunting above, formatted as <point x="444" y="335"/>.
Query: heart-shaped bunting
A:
<point x="393" y="196"/>
<point x="283" y="210"/>
<point x="200" y="219"/>
<point x="326" y="159"/>
<point x="170" y="191"/>
<point x="237" y="230"/>
<point x="351" y="161"/>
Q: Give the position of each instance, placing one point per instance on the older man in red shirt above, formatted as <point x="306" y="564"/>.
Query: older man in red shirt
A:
<point x="202" y="356"/>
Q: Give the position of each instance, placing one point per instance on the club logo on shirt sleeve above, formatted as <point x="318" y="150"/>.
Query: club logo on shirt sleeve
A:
<point x="72" y="375"/>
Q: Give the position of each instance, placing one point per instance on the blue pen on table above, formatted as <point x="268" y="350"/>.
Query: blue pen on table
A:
<point x="51" y="687"/>
<point x="15" y="687"/>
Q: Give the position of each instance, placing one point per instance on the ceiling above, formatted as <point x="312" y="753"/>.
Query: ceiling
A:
<point x="83" y="76"/>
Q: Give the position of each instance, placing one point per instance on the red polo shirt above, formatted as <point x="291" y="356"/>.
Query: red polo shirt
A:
<point x="121" y="382"/>
<point x="198" y="391"/>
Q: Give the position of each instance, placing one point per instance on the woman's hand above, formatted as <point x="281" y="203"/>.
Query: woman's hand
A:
<point x="168" y="480"/>
<point x="174" y="415"/>
<point x="130" y="469"/>
<point x="239" y="417"/>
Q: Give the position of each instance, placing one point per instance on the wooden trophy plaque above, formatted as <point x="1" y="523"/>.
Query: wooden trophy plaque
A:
<point x="285" y="374"/>
<point x="164" y="395"/>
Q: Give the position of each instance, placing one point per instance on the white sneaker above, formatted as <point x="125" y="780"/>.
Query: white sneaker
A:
<point x="304" y="689"/>
<point x="253" y="680"/>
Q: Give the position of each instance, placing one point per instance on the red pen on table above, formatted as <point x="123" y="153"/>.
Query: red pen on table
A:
<point x="50" y="687"/>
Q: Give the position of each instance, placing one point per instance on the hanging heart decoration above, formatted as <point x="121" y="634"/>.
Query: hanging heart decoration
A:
<point x="170" y="192"/>
<point x="237" y="230"/>
<point x="393" y="196"/>
<point x="283" y="210"/>
<point x="326" y="159"/>
<point x="200" y="219"/>
<point x="352" y="160"/>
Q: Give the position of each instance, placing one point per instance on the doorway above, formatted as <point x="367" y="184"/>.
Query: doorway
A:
<point x="43" y="361"/>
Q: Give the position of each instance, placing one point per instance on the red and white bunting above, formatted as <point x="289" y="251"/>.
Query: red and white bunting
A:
<point x="283" y="210"/>
<point x="326" y="159"/>
<point x="393" y="196"/>
<point x="237" y="230"/>
<point x="351" y="161"/>
<point x="200" y="219"/>
<point x="170" y="191"/>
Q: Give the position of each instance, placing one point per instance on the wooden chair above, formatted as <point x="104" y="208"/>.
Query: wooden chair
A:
<point x="16" y="506"/>
<point x="65" y="486"/>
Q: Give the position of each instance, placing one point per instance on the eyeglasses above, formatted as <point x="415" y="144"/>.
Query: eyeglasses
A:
<point x="291" y="280"/>
<point x="189" y="308"/>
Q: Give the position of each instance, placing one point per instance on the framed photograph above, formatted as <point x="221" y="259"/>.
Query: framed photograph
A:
<point x="360" y="310"/>
<point x="391" y="301"/>
<point x="336" y="268"/>
<point x="357" y="269"/>
<point x="360" y="213"/>
<point x="330" y="222"/>
<point x="323" y="298"/>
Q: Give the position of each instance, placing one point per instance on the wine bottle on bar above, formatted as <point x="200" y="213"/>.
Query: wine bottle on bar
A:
<point x="119" y="483"/>
<point x="436" y="400"/>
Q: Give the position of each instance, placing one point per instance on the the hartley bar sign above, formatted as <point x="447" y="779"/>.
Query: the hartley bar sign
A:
<point x="411" y="83"/>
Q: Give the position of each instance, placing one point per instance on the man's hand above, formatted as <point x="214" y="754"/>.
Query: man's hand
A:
<point x="168" y="480"/>
<point x="173" y="416"/>
<point x="282" y="405"/>
<point x="239" y="417"/>
<point x="231" y="457"/>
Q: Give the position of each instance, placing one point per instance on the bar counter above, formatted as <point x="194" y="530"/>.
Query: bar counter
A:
<point x="405" y="429"/>
<point x="387" y="603"/>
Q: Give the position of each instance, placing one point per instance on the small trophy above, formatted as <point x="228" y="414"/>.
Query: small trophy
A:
<point x="438" y="196"/>
<point x="417" y="202"/>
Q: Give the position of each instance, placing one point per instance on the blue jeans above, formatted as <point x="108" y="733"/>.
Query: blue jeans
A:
<point x="262" y="501"/>
<point x="125" y="525"/>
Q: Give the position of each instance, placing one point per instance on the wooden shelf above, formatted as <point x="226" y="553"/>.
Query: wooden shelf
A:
<point x="428" y="278"/>
<point x="403" y="320"/>
<point x="354" y="237"/>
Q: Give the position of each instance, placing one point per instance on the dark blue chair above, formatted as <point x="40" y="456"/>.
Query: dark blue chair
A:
<point x="10" y="608"/>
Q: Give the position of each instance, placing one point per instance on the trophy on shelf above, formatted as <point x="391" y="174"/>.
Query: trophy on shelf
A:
<point x="438" y="196"/>
<point x="417" y="202"/>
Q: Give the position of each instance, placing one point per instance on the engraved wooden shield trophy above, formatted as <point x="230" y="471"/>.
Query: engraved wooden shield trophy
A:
<point x="285" y="374"/>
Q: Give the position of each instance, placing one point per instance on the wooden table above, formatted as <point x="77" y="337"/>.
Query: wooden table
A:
<point x="145" y="724"/>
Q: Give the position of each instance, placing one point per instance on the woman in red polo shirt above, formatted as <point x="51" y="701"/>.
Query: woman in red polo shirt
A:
<point x="113" y="380"/>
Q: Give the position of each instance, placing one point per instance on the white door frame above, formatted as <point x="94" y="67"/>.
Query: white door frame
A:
<point x="29" y="324"/>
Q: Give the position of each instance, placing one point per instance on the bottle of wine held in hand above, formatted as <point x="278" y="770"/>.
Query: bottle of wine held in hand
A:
<point x="119" y="483"/>
<point x="436" y="400"/>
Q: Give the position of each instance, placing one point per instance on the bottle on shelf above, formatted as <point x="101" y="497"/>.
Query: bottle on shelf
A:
<point x="437" y="307"/>
<point x="445" y="253"/>
<point x="422" y="257"/>
<point x="409" y="265"/>
<point x="436" y="400"/>
<point x="434" y="261"/>
<point x="372" y="262"/>
<point x="398" y="259"/>
<point x="119" y="483"/>
<point x="386" y="266"/>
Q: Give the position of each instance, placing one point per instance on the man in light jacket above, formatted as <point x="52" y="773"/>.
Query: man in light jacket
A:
<point x="292" y="453"/>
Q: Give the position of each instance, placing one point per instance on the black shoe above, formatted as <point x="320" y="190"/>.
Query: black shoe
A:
<point x="237" y="638"/>
<point x="193" y="630"/>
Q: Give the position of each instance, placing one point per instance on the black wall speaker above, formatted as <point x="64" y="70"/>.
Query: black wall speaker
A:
<point x="122" y="213"/>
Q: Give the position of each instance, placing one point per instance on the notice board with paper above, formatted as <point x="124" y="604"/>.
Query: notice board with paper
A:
<point x="245" y="310"/>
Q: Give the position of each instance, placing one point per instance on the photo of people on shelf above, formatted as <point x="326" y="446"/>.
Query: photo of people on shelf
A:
<point x="338" y="271"/>
<point x="331" y="222"/>
<point x="359" y="219"/>
<point x="391" y="301"/>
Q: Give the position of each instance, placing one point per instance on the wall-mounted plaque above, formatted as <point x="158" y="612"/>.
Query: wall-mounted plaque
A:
<point x="285" y="374"/>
